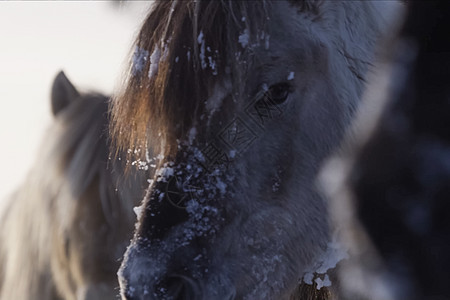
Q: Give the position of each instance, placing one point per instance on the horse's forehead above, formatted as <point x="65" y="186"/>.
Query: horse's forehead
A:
<point x="288" y="24"/>
<point x="288" y="30"/>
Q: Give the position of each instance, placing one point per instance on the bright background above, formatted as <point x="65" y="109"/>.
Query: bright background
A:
<point x="89" y="40"/>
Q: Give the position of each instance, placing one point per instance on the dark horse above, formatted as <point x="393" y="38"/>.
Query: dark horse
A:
<point x="243" y="101"/>
<point x="398" y="178"/>
<point x="64" y="230"/>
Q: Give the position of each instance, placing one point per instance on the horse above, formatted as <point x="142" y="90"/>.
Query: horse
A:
<point x="65" y="228"/>
<point x="242" y="101"/>
<point x="395" y="176"/>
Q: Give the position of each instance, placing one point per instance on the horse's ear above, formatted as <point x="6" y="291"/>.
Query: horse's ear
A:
<point x="63" y="93"/>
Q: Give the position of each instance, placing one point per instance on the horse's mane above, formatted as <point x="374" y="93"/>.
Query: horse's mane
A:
<point x="171" y="75"/>
<point x="72" y="160"/>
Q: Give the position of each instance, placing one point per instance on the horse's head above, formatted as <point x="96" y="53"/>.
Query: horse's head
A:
<point x="244" y="100"/>
<point x="91" y="220"/>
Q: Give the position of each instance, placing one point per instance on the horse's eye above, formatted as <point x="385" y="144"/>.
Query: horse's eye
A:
<point x="277" y="93"/>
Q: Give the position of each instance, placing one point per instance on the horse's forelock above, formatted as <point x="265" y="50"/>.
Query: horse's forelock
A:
<point x="180" y="53"/>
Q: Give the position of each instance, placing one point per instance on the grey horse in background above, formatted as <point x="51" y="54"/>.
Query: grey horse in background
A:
<point x="65" y="228"/>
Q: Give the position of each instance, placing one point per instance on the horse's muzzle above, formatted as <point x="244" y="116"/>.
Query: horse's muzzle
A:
<point x="143" y="278"/>
<point x="173" y="287"/>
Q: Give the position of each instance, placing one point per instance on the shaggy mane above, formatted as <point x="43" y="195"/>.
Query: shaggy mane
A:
<point x="170" y="74"/>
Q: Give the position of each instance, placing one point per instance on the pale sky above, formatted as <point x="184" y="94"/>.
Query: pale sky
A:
<point x="89" y="40"/>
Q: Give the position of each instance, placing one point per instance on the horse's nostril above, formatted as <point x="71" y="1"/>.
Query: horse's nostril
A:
<point x="179" y="287"/>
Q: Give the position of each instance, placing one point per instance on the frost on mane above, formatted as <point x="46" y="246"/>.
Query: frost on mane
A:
<point x="206" y="54"/>
<point x="140" y="57"/>
<point x="192" y="135"/>
<point x="291" y="76"/>
<point x="201" y="42"/>
<point x="154" y="62"/>
<point x="244" y="38"/>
